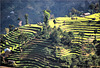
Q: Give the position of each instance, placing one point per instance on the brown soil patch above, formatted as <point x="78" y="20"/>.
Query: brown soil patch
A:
<point x="5" y="67"/>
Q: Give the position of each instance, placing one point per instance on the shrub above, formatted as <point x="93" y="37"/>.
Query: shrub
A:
<point x="54" y="21"/>
<point x="46" y="16"/>
<point x="71" y="34"/>
<point x="23" y="37"/>
<point x="66" y="15"/>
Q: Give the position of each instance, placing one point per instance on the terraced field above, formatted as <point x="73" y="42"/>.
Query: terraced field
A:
<point x="88" y="31"/>
<point x="79" y="25"/>
<point x="12" y="41"/>
<point x="32" y="55"/>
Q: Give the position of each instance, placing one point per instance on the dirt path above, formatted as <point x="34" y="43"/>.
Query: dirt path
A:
<point x="5" y="67"/>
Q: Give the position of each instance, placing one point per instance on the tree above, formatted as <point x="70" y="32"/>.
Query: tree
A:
<point x="11" y="27"/>
<point x="78" y="12"/>
<point x="26" y="17"/>
<point x="46" y="17"/>
<point x="74" y="11"/>
<point x="97" y="7"/>
<point x="92" y="6"/>
<point x="46" y="31"/>
<point x="49" y="29"/>
<point x="55" y="37"/>
<point x="48" y="10"/>
<point x="54" y="21"/>
<point x="71" y="34"/>
<point x="66" y="39"/>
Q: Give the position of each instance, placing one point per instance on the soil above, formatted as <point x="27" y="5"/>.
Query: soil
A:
<point x="5" y="67"/>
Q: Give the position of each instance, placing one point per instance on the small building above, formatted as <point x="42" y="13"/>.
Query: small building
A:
<point x="82" y="16"/>
<point x="86" y="14"/>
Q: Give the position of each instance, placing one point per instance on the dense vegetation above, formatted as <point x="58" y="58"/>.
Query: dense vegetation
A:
<point x="63" y="42"/>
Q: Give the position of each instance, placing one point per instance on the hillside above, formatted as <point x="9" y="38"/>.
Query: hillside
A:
<point x="10" y="10"/>
<point x="37" y="52"/>
<point x="79" y="25"/>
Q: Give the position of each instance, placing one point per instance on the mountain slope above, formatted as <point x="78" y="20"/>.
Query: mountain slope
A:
<point x="11" y="10"/>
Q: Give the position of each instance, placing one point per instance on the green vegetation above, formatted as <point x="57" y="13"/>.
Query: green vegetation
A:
<point x="94" y="7"/>
<point x="46" y="16"/>
<point x="26" y="17"/>
<point x="74" y="12"/>
<point x="11" y="27"/>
